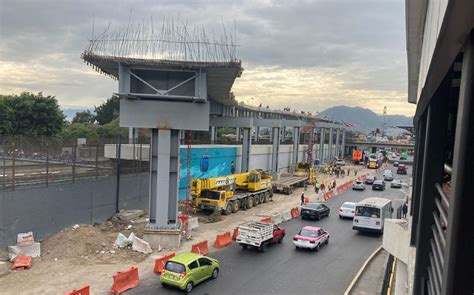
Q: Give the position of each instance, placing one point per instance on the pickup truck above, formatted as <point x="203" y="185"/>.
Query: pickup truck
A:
<point x="259" y="235"/>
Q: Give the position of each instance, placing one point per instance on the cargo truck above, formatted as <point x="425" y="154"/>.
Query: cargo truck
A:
<point x="259" y="235"/>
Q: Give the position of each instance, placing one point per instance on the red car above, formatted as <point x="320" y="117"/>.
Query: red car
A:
<point x="311" y="237"/>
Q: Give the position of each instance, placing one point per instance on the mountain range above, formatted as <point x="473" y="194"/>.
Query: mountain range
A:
<point x="364" y="119"/>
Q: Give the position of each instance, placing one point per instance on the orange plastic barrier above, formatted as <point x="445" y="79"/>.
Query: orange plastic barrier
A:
<point x="22" y="262"/>
<point x="223" y="240"/>
<point x="124" y="281"/>
<point x="160" y="262"/>
<point x="306" y="200"/>
<point x="295" y="213"/>
<point x="200" y="248"/>
<point x="328" y="195"/>
<point x="82" y="291"/>
<point x="267" y="220"/>
<point x="235" y="233"/>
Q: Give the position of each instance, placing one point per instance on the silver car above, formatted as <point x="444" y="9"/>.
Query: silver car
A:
<point x="397" y="183"/>
<point x="358" y="186"/>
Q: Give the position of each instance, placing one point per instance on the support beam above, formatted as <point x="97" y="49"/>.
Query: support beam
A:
<point x="164" y="178"/>
<point x="338" y="137"/>
<point x="213" y="134"/>
<point x="321" y="145"/>
<point x="296" y="145"/>
<point x="343" y="143"/>
<point x="246" y="147"/>
<point x="257" y="134"/>
<point x="331" y="139"/>
<point x="275" y="148"/>
<point x="237" y="134"/>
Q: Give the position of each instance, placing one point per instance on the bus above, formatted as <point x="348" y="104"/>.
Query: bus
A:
<point x="370" y="214"/>
<point x="375" y="161"/>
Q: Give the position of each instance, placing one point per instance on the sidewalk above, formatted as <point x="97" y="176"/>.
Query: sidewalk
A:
<point x="371" y="279"/>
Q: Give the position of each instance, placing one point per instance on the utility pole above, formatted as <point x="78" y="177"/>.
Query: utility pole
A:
<point x="384" y="120"/>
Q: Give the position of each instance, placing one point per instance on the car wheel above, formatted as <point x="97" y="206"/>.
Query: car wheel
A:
<point x="262" y="247"/>
<point x="340" y="217"/>
<point x="327" y="241"/>
<point x="235" y="206"/>
<point x="189" y="287"/>
<point x="215" y="273"/>
<point x="280" y="240"/>
<point x="317" y="247"/>
<point x="244" y="246"/>
<point x="318" y="217"/>
<point x="228" y="209"/>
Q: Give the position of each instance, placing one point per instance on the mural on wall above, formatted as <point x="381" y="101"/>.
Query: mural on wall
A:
<point x="205" y="162"/>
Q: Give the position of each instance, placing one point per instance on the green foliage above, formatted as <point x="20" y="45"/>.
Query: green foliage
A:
<point x="112" y="130"/>
<point x="108" y="111"/>
<point x="30" y="114"/>
<point x="84" y="117"/>
<point x="80" y="130"/>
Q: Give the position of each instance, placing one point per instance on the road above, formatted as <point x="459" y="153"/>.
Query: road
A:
<point x="284" y="270"/>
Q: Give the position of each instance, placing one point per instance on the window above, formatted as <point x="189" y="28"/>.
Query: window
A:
<point x="275" y="227"/>
<point x="204" y="262"/>
<point x="174" y="267"/>
<point x="193" y="265"/>
<point x="308" y="233"/>
<point x="367" y="212"/>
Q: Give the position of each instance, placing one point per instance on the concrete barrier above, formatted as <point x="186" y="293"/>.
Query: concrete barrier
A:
<point x="193" y="223"/>
<point x="277" y="218"/>
<point x="286" y="215"/>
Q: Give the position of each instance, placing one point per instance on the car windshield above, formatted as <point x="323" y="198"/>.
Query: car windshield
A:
<point x="311" y="205"/>
<point x="346" y="205"/>
<point x="367" y="211"/>
<point x="358" y="182"/>
<point x="308" y="233"/>
<point x="174" y="267"/>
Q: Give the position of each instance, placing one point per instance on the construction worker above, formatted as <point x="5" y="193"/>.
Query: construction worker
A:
<point x="317" y="186"/>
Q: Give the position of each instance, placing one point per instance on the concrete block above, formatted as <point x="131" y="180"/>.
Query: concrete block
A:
<point x="128" y="215"/>
<point x="166" y="238"/>
<point x="277" y="218"/>
<point x="24" y="239"/>
<point x="286" y="215"/>
<point x="4" y="268"/>
<point x="141" y="246"/>
<point x="193" y="223"/>
<point x="33" y="250"/>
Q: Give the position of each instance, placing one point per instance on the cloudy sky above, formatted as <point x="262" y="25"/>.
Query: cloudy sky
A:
<point x="309" y="55"/>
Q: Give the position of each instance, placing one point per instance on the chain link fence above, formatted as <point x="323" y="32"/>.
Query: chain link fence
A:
<point x="42" y="161"/>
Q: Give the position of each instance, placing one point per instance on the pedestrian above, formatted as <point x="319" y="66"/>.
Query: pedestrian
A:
<point x="305" y="185"/>
<point x="302" y="198"/>
<point x="348" y="171"/>
<point x="334" y="184"/>
<point x="322" y="187"/>
<point x="405" y="210"/>
<point x="355" y="172"/>
<point x="337" y="173"/>
<point x="343" y="173"/>
<point x="317" y="186"/>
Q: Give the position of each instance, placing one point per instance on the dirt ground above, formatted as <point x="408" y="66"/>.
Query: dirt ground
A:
<point x="85" y="255"/>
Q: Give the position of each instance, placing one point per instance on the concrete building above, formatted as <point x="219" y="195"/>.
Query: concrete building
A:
<point x="437" y="256"/>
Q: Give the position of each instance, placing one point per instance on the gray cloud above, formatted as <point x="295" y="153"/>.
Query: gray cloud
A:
<point x="359" y="42"/>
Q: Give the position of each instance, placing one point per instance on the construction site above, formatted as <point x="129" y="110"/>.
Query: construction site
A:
<point x="92" y="210"/>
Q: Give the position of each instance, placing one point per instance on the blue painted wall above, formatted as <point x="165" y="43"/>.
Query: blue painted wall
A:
<point x="205" y="162"/>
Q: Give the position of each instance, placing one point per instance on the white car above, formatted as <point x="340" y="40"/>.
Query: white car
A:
<point x="340" y="162"/>
<point x="358" y="185"/>
<point x="397" y="183"/>
<point x="388" y="175"/>
<point x="347" y="210"/>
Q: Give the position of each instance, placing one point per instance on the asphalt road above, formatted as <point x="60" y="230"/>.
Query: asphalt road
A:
<point x="284" y="270"/>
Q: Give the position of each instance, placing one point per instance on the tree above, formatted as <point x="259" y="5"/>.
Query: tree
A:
<point x="108" y="111"/>
<point x="30" y="114"/>
<point x="79" y="130"/>
<point x="84" y="117"/>
<point x="112" y="130"/>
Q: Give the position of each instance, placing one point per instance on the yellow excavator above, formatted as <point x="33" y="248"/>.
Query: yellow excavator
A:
<point x="231" y="193"/>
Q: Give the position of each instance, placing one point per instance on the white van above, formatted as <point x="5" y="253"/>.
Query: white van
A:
<point x="370" y="214"/>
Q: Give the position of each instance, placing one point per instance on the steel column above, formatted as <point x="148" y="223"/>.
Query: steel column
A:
<point x="275" y="148"/>
<point x="246" y="147"/>
<point x="213" y="135"/>
<point x="237" y="134"/>
<point x="257" y="134"/>
<point x="338" y="136"/>
<point x="321" y="145"/>
<point x="343" y="143"/>
<point x="164" y="168"/>
<point x="296" y="145"/>
<point x="331" y="140"/>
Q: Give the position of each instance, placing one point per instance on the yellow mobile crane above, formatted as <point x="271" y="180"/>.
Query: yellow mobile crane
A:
<point x="233" y="192"/>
